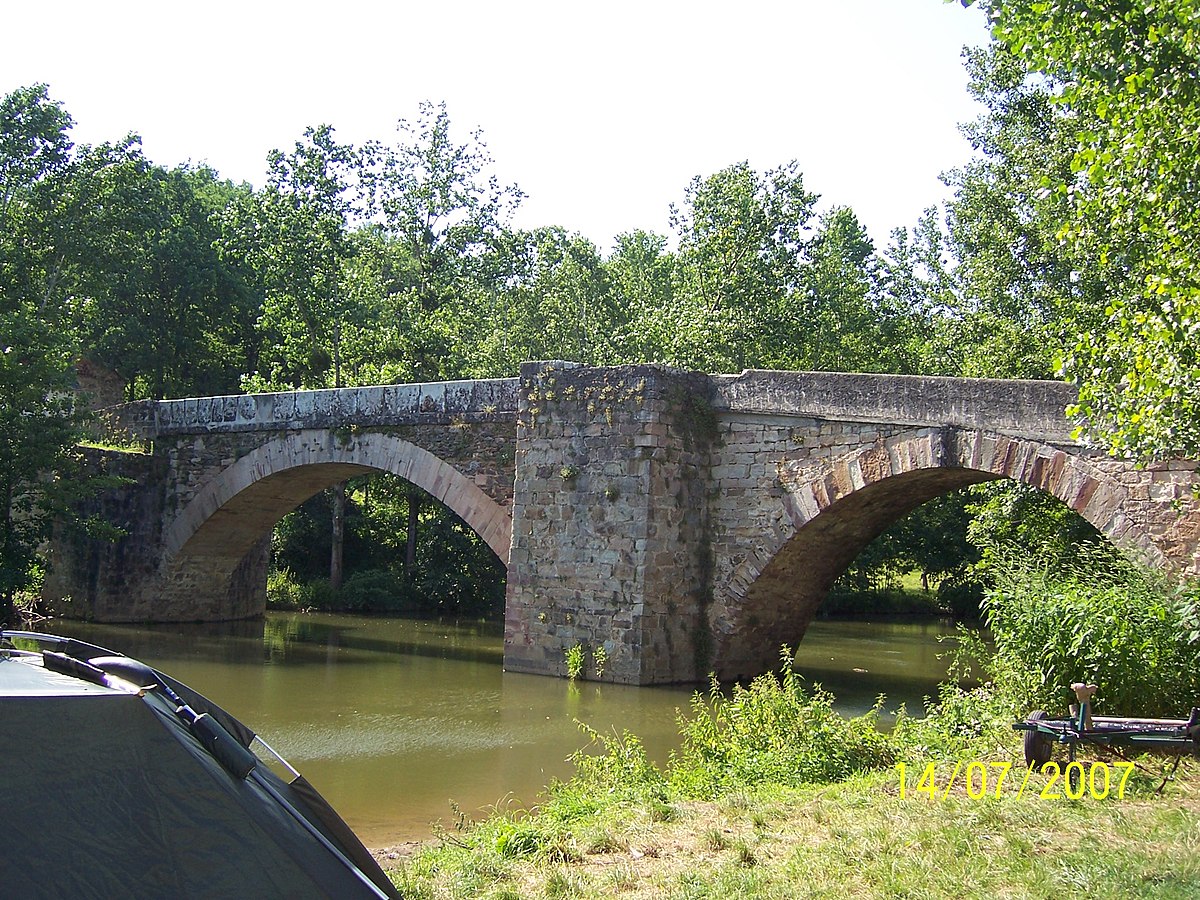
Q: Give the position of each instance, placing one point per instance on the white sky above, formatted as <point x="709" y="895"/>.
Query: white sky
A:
<point x="600" y="112"/>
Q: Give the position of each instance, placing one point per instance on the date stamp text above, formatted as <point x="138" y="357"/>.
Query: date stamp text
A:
<point x="1074" y="781"/>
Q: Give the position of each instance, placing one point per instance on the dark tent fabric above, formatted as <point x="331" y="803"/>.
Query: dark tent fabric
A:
<point x="108" y="793"/>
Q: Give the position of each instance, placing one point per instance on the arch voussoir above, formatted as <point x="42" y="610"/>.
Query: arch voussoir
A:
<point x="836" y="505"/>
<point x="297" y="452"/>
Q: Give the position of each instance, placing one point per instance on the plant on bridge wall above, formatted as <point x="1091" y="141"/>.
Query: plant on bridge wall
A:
<point x="600" y="660"/>
<point x="574" y="660"/>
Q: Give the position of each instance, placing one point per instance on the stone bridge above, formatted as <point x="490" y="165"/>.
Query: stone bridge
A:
<point x="680" y="523"/>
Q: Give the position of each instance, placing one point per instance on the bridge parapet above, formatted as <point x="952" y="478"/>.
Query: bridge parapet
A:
<point x="437" y="403"/>
<point x="1032" y="409"/>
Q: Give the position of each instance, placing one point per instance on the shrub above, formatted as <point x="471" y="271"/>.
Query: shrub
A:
<point x="1102" y="619"/>
<point x="774" y="731"/>
<point x="375" y="590"/>
<point x="612" y="769"/>
<point x="283" y="591"/>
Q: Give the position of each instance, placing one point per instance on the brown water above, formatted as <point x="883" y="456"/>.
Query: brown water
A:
<point x="394" y="719"/>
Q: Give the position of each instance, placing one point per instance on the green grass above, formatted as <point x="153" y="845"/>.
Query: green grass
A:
<point x="854" y="838"/>
<point x="774" y="795"/>
<point x="768" y="797"/>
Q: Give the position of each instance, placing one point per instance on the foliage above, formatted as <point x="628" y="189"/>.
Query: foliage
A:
<point x="573" y="659"/>
<point x="444" y="217"/>
<point x="1006" y="515"/>
<point x="373" y="591"/>
<point x="1019" y="295"/>
<point x="115" y="255"/>
<point x="954" y="541"/>
<point x="556" y="303"/>
<point x="454" y="572"/>
<point x="773" y="731"/>
<point x="293" y="236"/>
<point x="39" y="420"/>
<point x="283" y="591"/>
<point x="1102" y="620"/>
<point x="1127" y="70"/>
<point x="616" y="767"/>
<point x="973" y="710"/>
<point x="39" y="424"/>
<point x="932" y="540"/>
<point x="162" y="309"/>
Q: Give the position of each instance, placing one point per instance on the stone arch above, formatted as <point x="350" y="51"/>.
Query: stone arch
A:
<point x="230" y="514"/>
<point x="836" y="507"/>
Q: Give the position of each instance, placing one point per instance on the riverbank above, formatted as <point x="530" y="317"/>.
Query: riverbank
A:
<point x="774" y="795"/>
<point x="854" y="838"/>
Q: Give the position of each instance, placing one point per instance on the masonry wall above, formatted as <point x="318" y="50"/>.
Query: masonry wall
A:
<point x="125" y="580"/>
<point x="755" y="460"/>
<point x="610" y="546"/>
<point x="482" y="452"/>
<point x="666" y="523"/>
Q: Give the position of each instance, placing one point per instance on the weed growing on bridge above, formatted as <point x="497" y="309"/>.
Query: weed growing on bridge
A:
<point x="574" y="660"/>
<point x="600" y="660"/>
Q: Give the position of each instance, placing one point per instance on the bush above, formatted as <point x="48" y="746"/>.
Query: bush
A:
<point x="373" y="591"/>
<point x="775" y="731"/>
<point x="1102" y="619"/>
<point x="611" y="771"/>
<point x="284" y="592"/>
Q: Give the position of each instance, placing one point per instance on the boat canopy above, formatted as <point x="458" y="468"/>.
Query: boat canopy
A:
<point x="120" y="782"/>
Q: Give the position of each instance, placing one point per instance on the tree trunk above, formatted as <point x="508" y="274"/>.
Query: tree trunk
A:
<point x="410" y="549"/>
<point x="339" y="531"/>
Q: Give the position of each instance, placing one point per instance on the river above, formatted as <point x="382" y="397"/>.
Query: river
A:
<point x="393" y="720"/>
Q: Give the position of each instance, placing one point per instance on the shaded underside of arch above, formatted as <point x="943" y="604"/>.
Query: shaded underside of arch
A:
<point x="241" y="505"/>
<point x="778" y="606"/>
<point x="838" y="508"/>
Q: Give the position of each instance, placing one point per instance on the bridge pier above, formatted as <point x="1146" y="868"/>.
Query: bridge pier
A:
<point x="610" y="546"/>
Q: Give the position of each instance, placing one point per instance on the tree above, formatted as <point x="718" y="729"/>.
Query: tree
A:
<point x="39" y="426"/>
<point x="1128" y="69"/>
<point x="35" y="154"/>
<point x="445" y="216"/>
<point x="39" y="423"/>
<point x="742" y="242"/>
<point x="641" y="277"/>
<point x="840" y="321"/>
<point x="160" y="306"/>
<point x="295" y="236"/>
<point x="1022" y="294"/>
<point x="554" y="303"/>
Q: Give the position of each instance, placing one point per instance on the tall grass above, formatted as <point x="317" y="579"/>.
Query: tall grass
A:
<point x="776" y="731"/>
<point x="1101" y="619"/>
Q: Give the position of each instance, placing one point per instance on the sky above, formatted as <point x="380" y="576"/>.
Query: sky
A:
<point x="601" y="113"/>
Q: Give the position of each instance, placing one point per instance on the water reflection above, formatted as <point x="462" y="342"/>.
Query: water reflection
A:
<point x="393" y="719"/>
